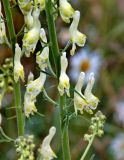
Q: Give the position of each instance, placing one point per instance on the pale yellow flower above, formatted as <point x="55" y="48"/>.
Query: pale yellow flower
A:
<point x="45" y="150"/>
<point x="18" y="67"/>
<point x="66" y="10"/>
<point x="64" y="83"/>
<point x="32" y="36"/>
<point x="76" y="37"/>
<point x="92" y="100"/>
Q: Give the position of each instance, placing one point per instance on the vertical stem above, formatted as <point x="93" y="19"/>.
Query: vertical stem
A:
<point x="56" y="57"/>
<point x="88" y="146"/>
<point x="52" y="34"/>
<point x="17" y="91"/>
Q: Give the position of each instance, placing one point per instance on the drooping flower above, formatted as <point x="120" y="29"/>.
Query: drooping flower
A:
<point x="32" y="36"/>
<point x="45" y="150"/>
<point x="18" y="67"/>
<point x="91" y="99"/>
<point x="64" y="83"/>
<point x="66" y="10"/>
<point x="76" y="37"/>
<point x="34" y="87"/>
<point x="79" y="99"/>
<point x="42" y="57"/>
<point x="85" y="61"/>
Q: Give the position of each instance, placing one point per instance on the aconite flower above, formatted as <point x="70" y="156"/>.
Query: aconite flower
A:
<point x="45" y="150"/>
<point x="79" y="99"/>
<point x="34" y="87"/>
<point x="42" y="57"/>
<point x="66" y="10"/>
<point x="92" y="100"/>
<point x="76" y="37"/>
<point x="32" y="36"/>
<point x="18" y="67"/>
<point x="87" y="101"/>
<point x="64" y="83"/>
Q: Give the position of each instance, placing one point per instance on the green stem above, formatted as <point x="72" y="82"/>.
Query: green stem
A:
<point x="88" y="146"/>
<point x="17" y="91"/>
<point x="52" y="34"/>
<point x="56" y="58"/>
<point x="64" y="131"/>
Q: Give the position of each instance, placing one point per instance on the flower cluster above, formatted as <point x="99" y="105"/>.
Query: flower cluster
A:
<point x="96" y="127"/>
<point x="25" y="147"/>
<point x="6" y="81"/>
<point x="45" y="151"/>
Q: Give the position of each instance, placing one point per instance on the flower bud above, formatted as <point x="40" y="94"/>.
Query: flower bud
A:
<point x="66" y="10"/>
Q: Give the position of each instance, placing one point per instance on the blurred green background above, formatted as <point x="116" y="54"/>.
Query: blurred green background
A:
<point x="103" y="23"/>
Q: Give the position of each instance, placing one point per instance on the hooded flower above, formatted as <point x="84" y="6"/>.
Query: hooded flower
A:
<point x="76" y="37"/>
<point x="45" y="150"/>
<point x="43" y="56"/>
<point x="66" y="10"/>
<point x="34" y="87"/>
<point x="18" y="67"/>
<point x="41" y="3"/>
<point x="32" y="36"/>
<point x="64" y="83"/>
<point x="92" y="100"/>
<point x="79" y="99"/>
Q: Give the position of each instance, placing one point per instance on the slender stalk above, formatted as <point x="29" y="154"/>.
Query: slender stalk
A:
<point x="64" y="131"/>
<point x="88" y="146"/>
<point x="56" y="57"/>
<point x="17" y="91"/>
<point x="52" y="34"/>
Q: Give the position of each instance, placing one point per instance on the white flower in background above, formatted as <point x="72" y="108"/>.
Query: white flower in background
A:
<point x="33" y="89"/>
<point x="64" y="83"/>
<point x="119" y="112"/>
<point x="32" y="36"/>
<point x="76" y="37"/>
<point x="42" y="57"/>
<point x="85" y="61"/>
<point x="91" y="99"/>
<point x="45" y="150"/>
<point x="25" y="5"/>
<point x="66" y="10"/>
<point x="79" y="99"/>
<point x="117" y="147"/>
<point x="18" y="67"/>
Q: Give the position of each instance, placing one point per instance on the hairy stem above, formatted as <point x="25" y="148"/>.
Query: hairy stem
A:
<point x="17" y="91"/>
<point x="88" y="147"/>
